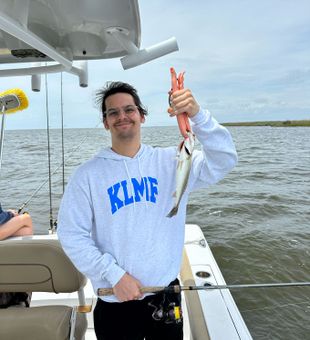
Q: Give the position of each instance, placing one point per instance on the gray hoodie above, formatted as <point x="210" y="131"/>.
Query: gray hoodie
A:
<point x="112" y="217"/>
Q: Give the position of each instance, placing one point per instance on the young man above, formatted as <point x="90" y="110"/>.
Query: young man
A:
<point x="113" y="220"/>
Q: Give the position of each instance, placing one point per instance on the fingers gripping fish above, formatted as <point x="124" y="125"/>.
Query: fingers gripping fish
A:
<point x="185" y="150"/>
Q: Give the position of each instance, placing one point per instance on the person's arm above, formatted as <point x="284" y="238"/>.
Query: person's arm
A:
<point x="19" y="225"/>
<point x="14" y="212"/>
<point x="219" y="154"/>
<point x="75" y="222"/>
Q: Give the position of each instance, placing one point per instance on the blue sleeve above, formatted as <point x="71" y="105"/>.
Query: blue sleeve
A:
<point x="5" y="216"/>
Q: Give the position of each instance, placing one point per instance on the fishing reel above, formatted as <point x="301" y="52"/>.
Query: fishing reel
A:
<point x="167" y="313"/>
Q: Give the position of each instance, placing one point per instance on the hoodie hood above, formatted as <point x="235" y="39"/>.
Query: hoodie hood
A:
<point x="108" y="153"/>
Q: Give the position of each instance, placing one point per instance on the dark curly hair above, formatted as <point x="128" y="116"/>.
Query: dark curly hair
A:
<point x="114" y="87"/>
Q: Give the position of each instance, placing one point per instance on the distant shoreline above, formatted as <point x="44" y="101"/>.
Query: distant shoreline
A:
<point x="286" y="123"/>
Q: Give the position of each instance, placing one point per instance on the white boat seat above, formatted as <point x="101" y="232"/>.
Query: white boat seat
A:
<point x="39" y="266"/>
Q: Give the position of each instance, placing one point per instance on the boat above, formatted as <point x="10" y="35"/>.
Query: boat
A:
<point x="65" y="35"/>
<point x="208" y="314"/>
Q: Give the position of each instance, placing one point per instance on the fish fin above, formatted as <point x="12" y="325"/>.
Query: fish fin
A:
<point x="188" y="148"/>
<point x="173" y="211"/>
<point x="181" y="146"/>
<point x="188" y="151"/>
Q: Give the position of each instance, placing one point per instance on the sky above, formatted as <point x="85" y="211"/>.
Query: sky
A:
<point x="244" y="61"/>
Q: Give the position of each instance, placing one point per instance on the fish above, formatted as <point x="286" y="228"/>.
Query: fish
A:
<point x="184" y="156"/>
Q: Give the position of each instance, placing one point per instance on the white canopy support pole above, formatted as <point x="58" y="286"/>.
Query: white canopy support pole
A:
<point x="2" y="134"/>
<point x="36" y="79"/>
<point x="79" y="68"/>
<point x="137" y="57"/>
<point x="121" y="36"/>
<point x="29" y="71"/>
<point x="14" y="28"/>
<point x="150" y="53"/>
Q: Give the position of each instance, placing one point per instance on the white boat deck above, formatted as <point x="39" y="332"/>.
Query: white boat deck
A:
<point x="221" y="314"/>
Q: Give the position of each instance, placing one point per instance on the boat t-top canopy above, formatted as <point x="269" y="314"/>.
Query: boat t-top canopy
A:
<point x="66" y="31"/>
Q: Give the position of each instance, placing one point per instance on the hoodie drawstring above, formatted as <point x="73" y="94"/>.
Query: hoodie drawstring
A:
<point x="131" y="185"/>
<point x="139" y="168"/>
<point x="129" y="181"/>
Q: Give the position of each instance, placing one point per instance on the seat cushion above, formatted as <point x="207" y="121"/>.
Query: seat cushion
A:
<point x="37" y="323"/>
<point x="37" y="266"/>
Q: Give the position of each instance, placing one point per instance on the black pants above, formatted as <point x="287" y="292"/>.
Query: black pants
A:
<point x="133" y="320"/>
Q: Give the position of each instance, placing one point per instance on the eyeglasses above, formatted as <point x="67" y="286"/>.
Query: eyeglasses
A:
<point x="115" y="113"/>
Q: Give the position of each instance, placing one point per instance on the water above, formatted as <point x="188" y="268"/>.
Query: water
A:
<point x="256" y="220"/>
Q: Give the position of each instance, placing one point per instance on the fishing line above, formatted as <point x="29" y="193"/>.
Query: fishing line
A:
<point x="2" y="133"/>
<point x="54" y="172"/>
<point x="63" y="163"/>
<point x="48" y="152"/>
<point x="62" y="134"/>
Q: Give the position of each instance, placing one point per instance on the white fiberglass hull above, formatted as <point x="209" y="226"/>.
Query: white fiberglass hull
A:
<point x="207" y="313"/>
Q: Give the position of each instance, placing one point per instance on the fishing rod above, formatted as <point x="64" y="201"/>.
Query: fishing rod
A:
<point x="53" y="173"/>
<point x="178" y="288"/>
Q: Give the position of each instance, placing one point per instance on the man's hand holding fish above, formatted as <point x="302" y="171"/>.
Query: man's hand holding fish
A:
<point x="183" y="101"/>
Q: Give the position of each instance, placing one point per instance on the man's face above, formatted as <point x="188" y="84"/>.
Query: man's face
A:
<point x="123" y="118"/>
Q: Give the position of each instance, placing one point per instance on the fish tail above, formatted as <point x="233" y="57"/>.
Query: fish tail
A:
<point x="173" y="211"/>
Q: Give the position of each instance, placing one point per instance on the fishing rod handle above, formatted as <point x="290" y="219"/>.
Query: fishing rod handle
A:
<point x="109" y="291"/>
<point x="144" y="290"/>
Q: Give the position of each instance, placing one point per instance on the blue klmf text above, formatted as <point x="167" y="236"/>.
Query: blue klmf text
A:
<point x="145" y="188"/>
